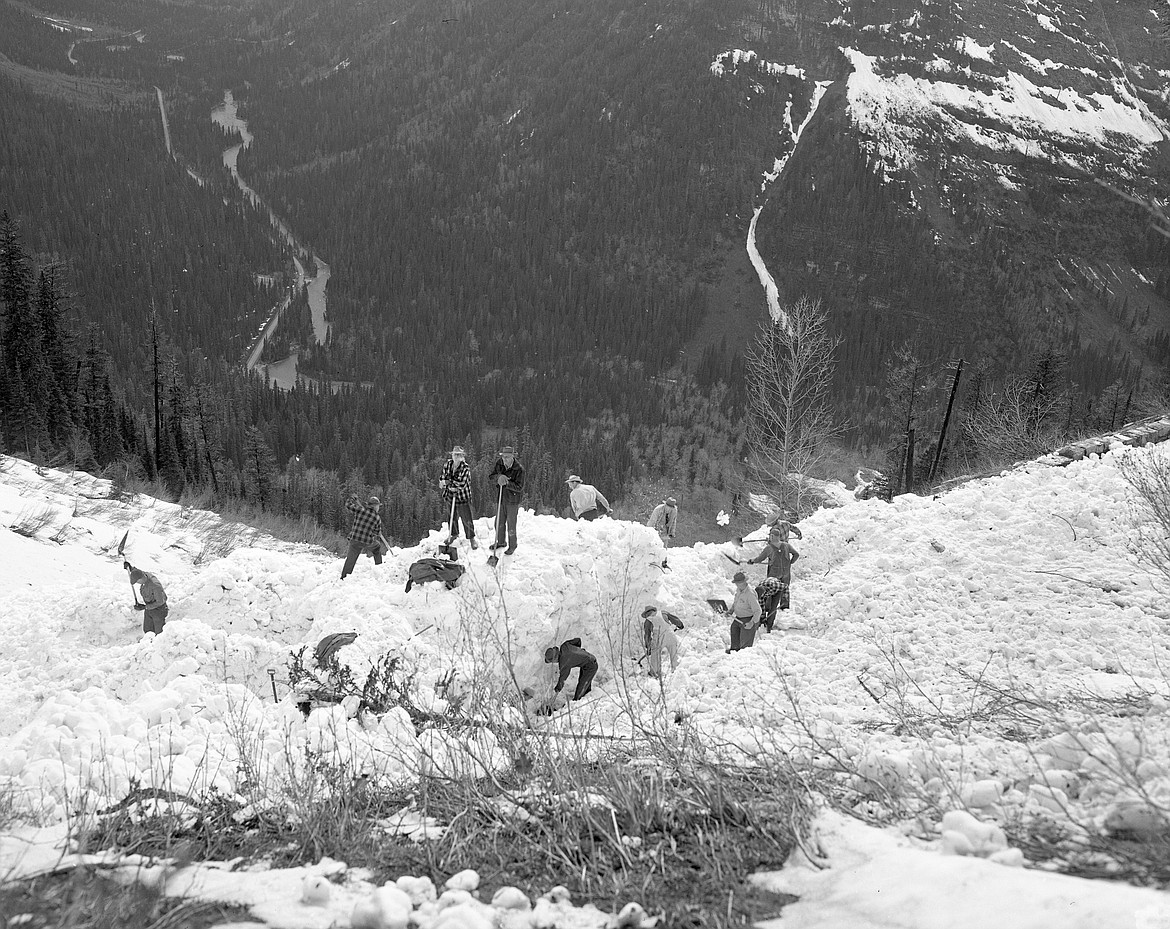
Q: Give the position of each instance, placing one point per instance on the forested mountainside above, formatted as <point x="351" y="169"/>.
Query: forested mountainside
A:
<point x="536" y="216"/>
<point x="982" y="229"/>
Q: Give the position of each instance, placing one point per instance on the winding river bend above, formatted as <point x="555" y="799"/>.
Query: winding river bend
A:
<point x="283" y="373"/>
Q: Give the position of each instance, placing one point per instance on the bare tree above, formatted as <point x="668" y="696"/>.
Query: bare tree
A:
<point x="1148" y="477"/>
<point x="789" y="375"/>
<point x="1014" y="423"/>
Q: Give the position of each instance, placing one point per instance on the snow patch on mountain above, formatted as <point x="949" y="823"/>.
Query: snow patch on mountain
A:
<point x="1009" y="113"/>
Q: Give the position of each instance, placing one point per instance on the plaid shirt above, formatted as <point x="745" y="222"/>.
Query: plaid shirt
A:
<point x="769" y="586"/>
<point x="367" y="524"/>
<point x="458" y="481"/>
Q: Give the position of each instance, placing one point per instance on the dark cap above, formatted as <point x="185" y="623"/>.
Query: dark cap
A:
<point x="649" y="610"/>
<point x="738" y="576"/>
<point x="551" y="654"/>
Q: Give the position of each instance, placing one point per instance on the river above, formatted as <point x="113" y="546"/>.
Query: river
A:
<point x="282" y="374"/>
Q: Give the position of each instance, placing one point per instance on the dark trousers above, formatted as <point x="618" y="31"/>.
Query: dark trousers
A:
<point x="590" y="514"/>
<point x="508" y="517"/>
<point x="462" y="515"/>
<point x="742" y="637"/>
<point x="769" y="603"/>
<point x="584" y="680"/>
<point x="154" y="620"/>
<point x="351" y="557"/>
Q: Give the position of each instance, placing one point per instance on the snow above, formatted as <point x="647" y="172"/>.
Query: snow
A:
<point x="733" y="58"/>
<point x="1046" y="22"/>
<point x="889" y="108"/>
<point x="1024" y="581"/>
<point x="771" y="291"/>
<point x="868" y="888"/>
<point x="973" y="49"/>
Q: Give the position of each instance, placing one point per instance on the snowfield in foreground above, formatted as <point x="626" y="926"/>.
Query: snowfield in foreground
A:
<point x="995" y="652"/>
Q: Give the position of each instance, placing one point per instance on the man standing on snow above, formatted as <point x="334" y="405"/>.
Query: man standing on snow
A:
<point x="508" y="475"/>
<point x="455" y="483"/>
<point x="586" y="500"/>
<point x="784" y="526"/>
<point x="780" y="557"/>
<point x="657" y="635"/>
<point x="768" y="593"/>
<point x="154" y="599"/>
<point x="366" y="532"/>
<point x="663" y="520"/>
<point x="569" y="655"/>
<point x="745" y="611"/>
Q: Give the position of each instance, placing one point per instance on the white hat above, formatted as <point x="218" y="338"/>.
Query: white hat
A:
<point x="574" y="477"/>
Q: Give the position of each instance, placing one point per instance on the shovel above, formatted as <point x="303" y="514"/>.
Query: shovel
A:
<point x="126" y="566"/>
<point x="738" y="540"/>
<point x="493" y="558"/>
<point x="451" y="524"/>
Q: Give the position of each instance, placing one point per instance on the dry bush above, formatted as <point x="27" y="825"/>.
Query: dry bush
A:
<point x="1014" y="424"/>
<point x="881" y="787"/>
<point x="32" y="521"/>
<point x="247" y="521"/>
<point x="1148" y="477"/>
<point x="90" y="898"/>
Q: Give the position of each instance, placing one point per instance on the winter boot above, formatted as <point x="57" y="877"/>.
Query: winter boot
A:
<point x="474" y="544"/>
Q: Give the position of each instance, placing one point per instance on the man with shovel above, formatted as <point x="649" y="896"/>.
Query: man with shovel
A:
<point x="455" y="483"/>
<point x="154" y="599"/>
<point x="507" y="480"/>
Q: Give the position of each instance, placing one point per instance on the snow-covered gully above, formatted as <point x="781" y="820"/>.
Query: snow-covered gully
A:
<point x="766" y="280"/>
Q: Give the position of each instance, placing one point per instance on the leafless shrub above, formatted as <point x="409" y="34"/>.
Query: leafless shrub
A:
<point x="1113" y="734"/>
<point x="32" y="521"/>
<point x="1013" y="424"/>
<point x="1148" y="477"/>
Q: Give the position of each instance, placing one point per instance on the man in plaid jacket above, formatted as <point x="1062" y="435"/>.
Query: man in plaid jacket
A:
<point x="455" y="483"/>
<point x="366" y="532"/>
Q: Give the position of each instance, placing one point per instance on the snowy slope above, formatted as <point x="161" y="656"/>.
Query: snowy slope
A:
<point x="1062" y="81"/>
<point x="1024" y="582"/>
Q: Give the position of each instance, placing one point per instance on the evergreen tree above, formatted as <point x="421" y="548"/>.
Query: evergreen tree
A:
<point x="259" y="473"/>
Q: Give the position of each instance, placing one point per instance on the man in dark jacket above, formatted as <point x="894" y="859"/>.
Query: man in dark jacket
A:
<point x="508" y="474"/>
<point x="780" y="557"/>
<point x="366" y="532"/>
<point x="455" y="483"/>
<point x="570" y="655"/>
<point x="154" y="599"/>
